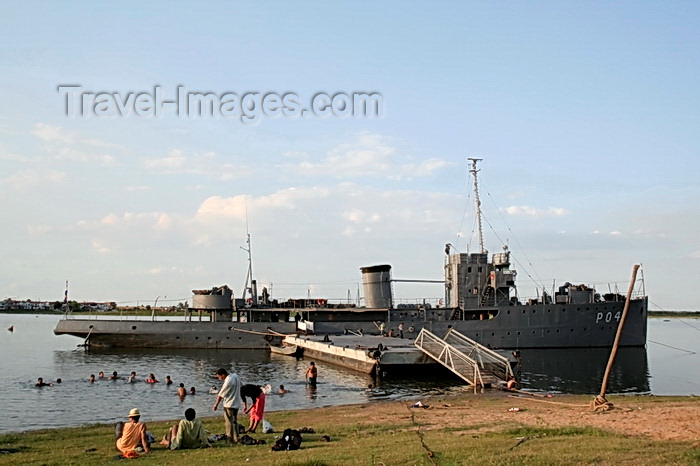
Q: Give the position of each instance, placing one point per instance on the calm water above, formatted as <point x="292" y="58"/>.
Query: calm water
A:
<point x="33" y="351"/>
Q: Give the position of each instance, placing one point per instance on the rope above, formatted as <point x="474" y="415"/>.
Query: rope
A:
<point x="672" y="347"/>
<point x="234" y="329"/>
<point x="689" y="324"/>
<point x="550" y="402"/>
<point x="599" y="403"/>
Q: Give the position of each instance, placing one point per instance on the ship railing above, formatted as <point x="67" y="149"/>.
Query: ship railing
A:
<point x="488" y="359"/>
<point x="461" y="364"/>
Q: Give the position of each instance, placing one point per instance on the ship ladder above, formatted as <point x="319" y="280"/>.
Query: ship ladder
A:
<point x="86" y="343"/>
<point x="488" y="289"/>
<point x="469" y="360"/>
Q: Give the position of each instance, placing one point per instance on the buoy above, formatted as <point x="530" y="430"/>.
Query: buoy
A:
<point x="11" y="328"/>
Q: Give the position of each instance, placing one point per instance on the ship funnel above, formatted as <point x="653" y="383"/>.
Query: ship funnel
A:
<point x="376" y="283"/>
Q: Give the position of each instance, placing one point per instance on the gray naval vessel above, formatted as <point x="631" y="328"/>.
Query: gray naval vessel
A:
<point x="480" y="302"/>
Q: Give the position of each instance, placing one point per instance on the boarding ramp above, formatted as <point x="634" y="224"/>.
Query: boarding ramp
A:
<point x="469" y="360"/>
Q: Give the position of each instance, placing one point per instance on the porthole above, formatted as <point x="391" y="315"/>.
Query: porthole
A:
<point x="91" y="326"/>
<point x="133" y="327"/>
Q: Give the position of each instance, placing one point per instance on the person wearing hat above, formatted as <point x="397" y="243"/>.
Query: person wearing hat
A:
<point x="132" y="435"/>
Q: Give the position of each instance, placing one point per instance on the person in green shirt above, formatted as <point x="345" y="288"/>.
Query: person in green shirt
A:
<point x="188" y="433"/>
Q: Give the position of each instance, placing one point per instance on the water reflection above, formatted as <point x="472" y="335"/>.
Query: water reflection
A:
<point x="581" y="370"/>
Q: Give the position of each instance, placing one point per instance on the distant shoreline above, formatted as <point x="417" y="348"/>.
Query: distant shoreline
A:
<point x="692" y="314"/>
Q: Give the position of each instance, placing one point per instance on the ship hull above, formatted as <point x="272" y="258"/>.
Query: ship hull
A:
<point x="513" y="327"/>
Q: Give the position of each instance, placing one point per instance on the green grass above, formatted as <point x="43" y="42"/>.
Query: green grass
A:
<point x="377" y="434"/>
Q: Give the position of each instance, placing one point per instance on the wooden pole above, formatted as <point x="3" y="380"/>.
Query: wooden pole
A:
<point x="600" y="399"/>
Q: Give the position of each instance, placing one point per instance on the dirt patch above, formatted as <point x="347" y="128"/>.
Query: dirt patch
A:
<point x="657" y="418"/>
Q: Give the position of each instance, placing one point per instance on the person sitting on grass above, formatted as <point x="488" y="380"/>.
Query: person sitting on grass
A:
<point x="188" y="433"/>
<point x="132" y="436"/>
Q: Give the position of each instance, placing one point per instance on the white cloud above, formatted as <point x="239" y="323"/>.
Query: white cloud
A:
<point x="528" y="211"/>
<point x="67" y="145"/>
<point x="237" y="206"/>
<point x="207" y="164"/>
<point x="26" y="179"/>
<point x="369" y="155"/>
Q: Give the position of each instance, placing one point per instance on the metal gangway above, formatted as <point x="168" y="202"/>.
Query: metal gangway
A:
<point x="471" y="361"/>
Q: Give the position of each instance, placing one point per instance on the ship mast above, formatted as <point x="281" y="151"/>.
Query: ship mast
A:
<point x="477" y="202"/>
<point x="248" y="287"/>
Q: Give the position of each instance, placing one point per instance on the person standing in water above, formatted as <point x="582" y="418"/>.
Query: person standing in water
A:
<point x="311" y="374"/>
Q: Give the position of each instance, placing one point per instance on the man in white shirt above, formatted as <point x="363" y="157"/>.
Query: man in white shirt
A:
<point x="230" y="394"/>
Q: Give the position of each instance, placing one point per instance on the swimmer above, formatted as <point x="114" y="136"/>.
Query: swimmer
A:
<point x="168" y="380"/>
<point x="181" y="391"/>
<point x="40" y="383"/>
<point x="213" y="390"/>
<point x="151" y="379"/>
<point x="132" y="378"/>
<point x="102" y="375"/>
<point x="114" y="376"/>
<point x="92" y="378"/>
<point x="192" y="391"/>
<point x="282" y="390"/>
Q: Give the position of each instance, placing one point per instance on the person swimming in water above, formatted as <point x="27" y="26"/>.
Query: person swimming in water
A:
<point x="40" y="383"/>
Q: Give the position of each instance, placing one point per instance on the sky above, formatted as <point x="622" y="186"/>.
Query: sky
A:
<point x="586" y="116"/>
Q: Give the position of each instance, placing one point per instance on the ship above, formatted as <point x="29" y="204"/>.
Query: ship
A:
<point x="480" y="301"/>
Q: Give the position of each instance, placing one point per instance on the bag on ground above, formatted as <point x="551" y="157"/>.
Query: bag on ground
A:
<point x="267" y="427"/>
<point x="290" y="440"/>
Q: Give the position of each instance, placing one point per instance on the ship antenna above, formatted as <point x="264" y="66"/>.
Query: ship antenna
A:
<point x="477" y="201"/>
